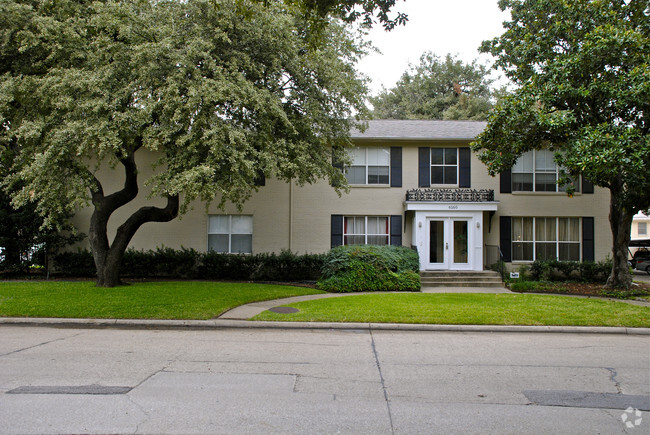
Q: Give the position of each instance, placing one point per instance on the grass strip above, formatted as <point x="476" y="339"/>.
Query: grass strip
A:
<point x="148" y="300"/>
<point x="468" y="309"/>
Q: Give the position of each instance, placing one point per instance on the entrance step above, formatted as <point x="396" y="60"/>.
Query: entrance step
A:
<point x="460" y="279"/>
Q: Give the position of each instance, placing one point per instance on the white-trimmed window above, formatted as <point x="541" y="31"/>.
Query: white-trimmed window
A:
<point x="544" y="238"/>
<point x="231" y="234"/>
<point x="643" y="228"/>
<point x="365" y="230"/>
<point x="536" y="171"/>
<point x="444" y="165"/>
<point x="370" y="165"/>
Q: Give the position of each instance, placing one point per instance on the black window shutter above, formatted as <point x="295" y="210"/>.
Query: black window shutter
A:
<point x="588" y="253"/>
<point x="337" y="164"/>
<point x="505" y="236"/>
<point x="337" y="230"/>
<point x="424" y="167"/>
<point x="506" y="181"/>
<point x="395" y="166"/>
<point x="396" y="230"/>
<point x="587" y="186"/>
<point x="464" y="167"/>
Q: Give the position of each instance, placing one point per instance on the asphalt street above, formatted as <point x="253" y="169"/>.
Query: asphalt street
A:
<point x="68" y="380"/>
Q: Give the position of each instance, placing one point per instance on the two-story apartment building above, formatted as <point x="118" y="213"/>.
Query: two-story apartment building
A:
<point x="413" y="183"/>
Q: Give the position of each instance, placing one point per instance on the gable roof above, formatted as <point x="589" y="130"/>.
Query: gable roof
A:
<point x="387" y="129"/>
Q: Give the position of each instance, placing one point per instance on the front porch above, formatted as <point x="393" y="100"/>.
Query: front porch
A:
<point x="449" y="226"/>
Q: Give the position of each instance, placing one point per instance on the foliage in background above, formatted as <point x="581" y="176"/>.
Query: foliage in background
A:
<point x="437" y="89"/>
<point x="167" y="263"/>
<point x="581" y="68"/>
<point x="359" y="268"/>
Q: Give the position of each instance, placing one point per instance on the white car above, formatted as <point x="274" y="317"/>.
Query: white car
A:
<point x="643" y="265"/>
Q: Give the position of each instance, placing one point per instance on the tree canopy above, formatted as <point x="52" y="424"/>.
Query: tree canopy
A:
<point x="437" y="88"/>
<point x="366" y="11"/>
<point x="222" y="90"/>
<point x="582" y="71"/>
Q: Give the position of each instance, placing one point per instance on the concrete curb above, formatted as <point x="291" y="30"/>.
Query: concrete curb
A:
<point x="244" y="324"/>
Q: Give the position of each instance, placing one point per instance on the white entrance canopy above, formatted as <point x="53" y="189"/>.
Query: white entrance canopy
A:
<point x="449" y="234"/>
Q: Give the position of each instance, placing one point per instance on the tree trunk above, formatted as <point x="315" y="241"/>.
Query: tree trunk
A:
<point x="108" y="256"/>
<point x="620" y="219"/>
<point x="108" y="259"/>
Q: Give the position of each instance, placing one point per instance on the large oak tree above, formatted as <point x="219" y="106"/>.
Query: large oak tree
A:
<point x="222" y="90"/>
<point x="582" y="71"/>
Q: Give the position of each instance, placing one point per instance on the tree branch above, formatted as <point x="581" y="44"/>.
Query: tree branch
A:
<point x="145" y="214"/>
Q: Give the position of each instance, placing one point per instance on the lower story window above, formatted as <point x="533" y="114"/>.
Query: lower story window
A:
<point x="365" y="230"/>
<point x="544" y="238"/>
<point x="231" y="234"/>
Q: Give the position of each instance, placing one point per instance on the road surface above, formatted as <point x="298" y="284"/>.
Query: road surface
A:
<point x="321" y="381"/>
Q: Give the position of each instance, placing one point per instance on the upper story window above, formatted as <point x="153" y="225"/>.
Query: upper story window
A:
<point x="444" y="165"/>
<point x="370" y="165"/>
<point x="365" y="230"/>
<point x="536" y="171"/>
<point x="231" y="234"/>
<point x="643" y="228"/>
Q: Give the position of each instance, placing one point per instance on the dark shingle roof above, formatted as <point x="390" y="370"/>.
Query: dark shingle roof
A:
<point x="391" y="129"/>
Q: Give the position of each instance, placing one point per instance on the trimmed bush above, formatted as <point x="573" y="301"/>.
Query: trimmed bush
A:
<point x="79" y="264"/>
<point x="360" y="268"/>
<point x="287" y="267"/>
<point x="190" y="264"/>
<point x="161" y="263"/>
<point x="554" y="270"/>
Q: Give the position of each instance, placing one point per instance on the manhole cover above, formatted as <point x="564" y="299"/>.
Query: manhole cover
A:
<point x="284" y="310"/>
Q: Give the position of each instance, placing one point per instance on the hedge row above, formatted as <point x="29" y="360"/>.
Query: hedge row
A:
<point x="362" y="268"/>
<point x="190" y="264"/>
<point x="555" y="270"/>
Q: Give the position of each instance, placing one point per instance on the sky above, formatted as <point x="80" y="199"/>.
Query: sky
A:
<point x="440" y="26"/>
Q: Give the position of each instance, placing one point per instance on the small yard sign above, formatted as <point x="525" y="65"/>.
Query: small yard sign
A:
<point x="514" y="274"/>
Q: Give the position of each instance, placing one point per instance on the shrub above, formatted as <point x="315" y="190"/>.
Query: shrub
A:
<point x="79" y="264"/>
<point x="554" y="270"/>
<point x="361" y="268"/>
<point x="287" y="267"/>
<point x="161" y="263"/>
<point x="190" y="264"/>
<point x="226" y="266"/>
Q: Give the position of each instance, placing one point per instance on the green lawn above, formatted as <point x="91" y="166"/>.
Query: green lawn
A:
<point x="150" y="300"/>
<point x="468" y="309"/>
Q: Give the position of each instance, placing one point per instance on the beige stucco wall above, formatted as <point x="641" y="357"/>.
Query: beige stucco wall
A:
<point x="298" y="218"/>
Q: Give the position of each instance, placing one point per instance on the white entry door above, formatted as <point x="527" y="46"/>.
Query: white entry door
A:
<point x="449" y="243"/>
